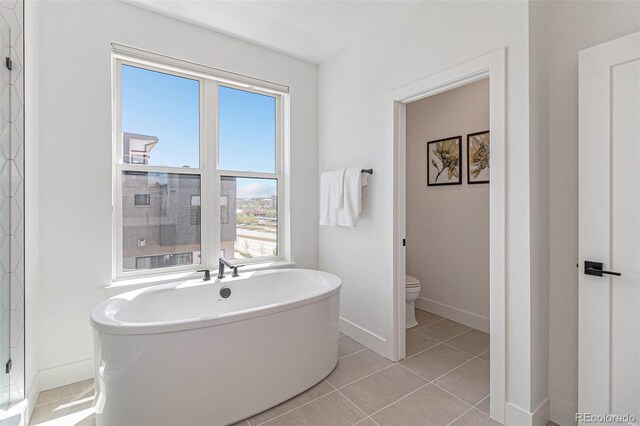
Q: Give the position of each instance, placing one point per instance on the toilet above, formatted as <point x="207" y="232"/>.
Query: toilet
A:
<point x="412" y="287"/>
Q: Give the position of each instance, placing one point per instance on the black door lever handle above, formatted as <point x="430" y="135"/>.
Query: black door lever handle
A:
<point x="595" y="269"/>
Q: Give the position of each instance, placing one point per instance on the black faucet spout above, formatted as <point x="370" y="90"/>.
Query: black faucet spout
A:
<point x="222" y="262"/>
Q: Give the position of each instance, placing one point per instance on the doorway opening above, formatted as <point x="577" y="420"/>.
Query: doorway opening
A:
<point x="447" y="233"/>
<point x="437" y="299"/>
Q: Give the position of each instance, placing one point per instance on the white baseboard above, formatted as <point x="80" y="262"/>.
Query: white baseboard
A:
<point x="541" y="413"/>
<point x="33" y="392"/>
<point x="515" y="415"/>
<point x="563" y="412"/>
<point x="518" y="416"/>
<point x="467" y="318"/>
<point x="66" y="374"/>
<point x="364" y="336"/>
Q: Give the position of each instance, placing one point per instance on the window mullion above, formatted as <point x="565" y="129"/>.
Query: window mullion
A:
<point x="211" y="180"/>
<point x="158" y="169"/>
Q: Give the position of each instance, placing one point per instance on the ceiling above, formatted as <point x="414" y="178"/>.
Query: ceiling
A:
<point x="310" y="30"/>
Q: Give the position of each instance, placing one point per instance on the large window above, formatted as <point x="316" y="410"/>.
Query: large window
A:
<point x="198" y="170"/>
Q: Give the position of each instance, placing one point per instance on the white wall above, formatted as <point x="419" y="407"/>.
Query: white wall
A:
<point x="353" y="121"/>
<point x="75" y="156"/>
<point x="539" y="203"/>
<point x="448" y="226"/>
<point x="572" y="26"/>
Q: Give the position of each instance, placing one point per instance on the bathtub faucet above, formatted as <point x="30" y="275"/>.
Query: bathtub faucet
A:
<point x="221" y="264"/>
<point x="207" y="275"/>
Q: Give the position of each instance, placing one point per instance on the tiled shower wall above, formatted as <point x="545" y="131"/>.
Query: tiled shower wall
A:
<point x="12" y="15"/>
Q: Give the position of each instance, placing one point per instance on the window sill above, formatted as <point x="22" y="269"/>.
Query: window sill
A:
<point x="127" y="284"/>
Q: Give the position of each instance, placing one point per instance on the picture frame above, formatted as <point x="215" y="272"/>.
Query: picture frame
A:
<point x="444" y="161"/>
<point x="478" y="157"/>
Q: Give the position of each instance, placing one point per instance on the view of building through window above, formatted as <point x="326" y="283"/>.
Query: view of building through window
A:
<point x="253" y="230"/>
<point x="161" y="212"/>
<point x="162" y="232"/>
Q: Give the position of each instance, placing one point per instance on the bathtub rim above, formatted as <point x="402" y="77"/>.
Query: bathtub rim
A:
<point x="103" y="323"/>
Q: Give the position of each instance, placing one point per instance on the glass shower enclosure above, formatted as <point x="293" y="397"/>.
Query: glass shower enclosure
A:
<point x="5" y="214"/>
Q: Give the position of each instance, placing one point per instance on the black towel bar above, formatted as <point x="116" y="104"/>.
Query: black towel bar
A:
<point x="368" y="171"/>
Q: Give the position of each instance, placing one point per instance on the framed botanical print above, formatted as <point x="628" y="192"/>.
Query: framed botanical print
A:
<point x="478" y="157"/>
<point x="444" y="162"/>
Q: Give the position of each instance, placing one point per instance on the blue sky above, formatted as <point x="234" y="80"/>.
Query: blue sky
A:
<point x="167" y="107"/>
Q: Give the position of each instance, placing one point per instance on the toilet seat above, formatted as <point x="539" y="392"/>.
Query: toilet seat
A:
<point x="411" y="282"/>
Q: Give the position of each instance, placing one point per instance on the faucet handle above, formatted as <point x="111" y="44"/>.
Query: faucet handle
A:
<point x="235" y="270"/>
<point x="207" y="274"/>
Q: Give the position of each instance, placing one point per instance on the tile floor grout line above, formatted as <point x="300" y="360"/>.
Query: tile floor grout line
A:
<point x="258" y="424"/>
<point x="397" y="400"/>
<point x="420" y="327"/>
<point x="438" y="344"/>
<point x="293" y="409"/>
<point x="465" y="352"/>
<point x="369" y="417"/>
<point x="345" y="356"/>
<point x="325" y="380"/>
<point x="460" y="416"/>
<point x="480" y="411"/>
<point x="452" y="337"/>
<point x="364" y="377"/>
<point x="458" y="335"/>
<point x="481" y="401"/>
<point x="411" y="371"/>
<point x="442" y="342"/>
<point x="451" y="346"/>
<point x="424" y="350"/>
<point x="439" y="377"/>
<point x="482" y="359"/>
<point x="453" y="395"/>
<point x="355" y="405"/>
<point x="336" y="389"/>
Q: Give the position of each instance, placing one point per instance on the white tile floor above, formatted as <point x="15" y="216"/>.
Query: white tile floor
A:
<point x="443" y="381"/>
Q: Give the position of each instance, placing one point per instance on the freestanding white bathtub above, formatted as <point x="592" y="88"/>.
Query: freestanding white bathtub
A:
<point x="180" y="354"/>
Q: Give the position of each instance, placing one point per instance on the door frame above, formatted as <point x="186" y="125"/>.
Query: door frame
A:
<point x="492" y="66"/>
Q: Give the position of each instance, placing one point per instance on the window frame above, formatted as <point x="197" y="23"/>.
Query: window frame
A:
<point x="210" y="174"/>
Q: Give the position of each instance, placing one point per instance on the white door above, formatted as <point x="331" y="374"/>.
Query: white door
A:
<point x="609" y="305"/>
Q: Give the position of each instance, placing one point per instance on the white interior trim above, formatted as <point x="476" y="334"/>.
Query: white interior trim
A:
<point x="516" y="415"/>
<point x="463" y="317"/>
<point x="66" y="374"/>
<point x="173" y="64"/>
<point x="540" y="416"/>
<point x="491" y="65"/>
<point x="33" y="392"/>
<point x="364" y="336"/>
<point x="208" y="168"/>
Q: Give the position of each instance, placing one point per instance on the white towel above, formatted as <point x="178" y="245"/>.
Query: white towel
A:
<point x="331" y="196"/>
<point x="349" y="214"/>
